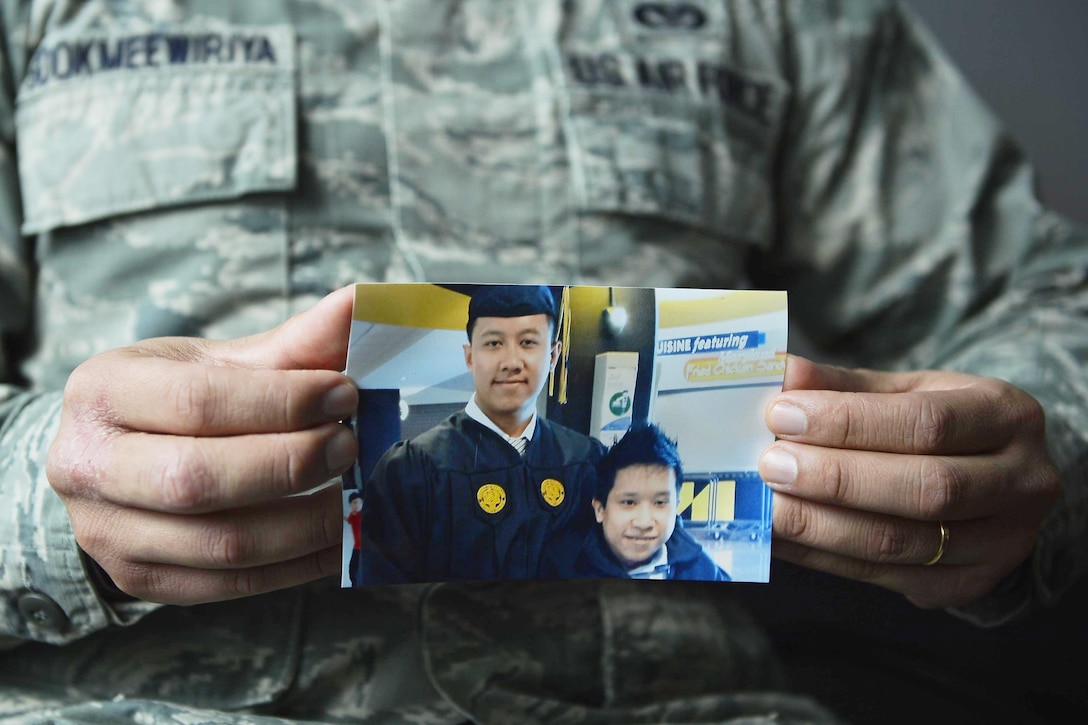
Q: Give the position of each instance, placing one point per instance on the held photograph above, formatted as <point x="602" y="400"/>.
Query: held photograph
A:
<point x="560" y="432"/>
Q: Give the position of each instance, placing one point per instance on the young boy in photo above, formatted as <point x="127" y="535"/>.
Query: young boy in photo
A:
<point x="641" y="535"/>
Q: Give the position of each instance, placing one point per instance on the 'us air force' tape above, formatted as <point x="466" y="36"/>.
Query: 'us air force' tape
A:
<point x="687" y="77"/>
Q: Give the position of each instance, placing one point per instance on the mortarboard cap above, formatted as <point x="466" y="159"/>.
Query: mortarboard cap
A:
<point x="510" y="300"/>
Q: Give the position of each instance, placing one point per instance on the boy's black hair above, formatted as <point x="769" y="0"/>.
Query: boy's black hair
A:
<point x="644" y="445"/>
<point x="354" y="495"/>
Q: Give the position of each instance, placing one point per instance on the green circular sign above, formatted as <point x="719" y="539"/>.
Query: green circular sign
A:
<point x="620" y="403"/>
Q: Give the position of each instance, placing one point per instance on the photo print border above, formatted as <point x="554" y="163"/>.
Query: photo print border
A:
<point x="700" y="365"/>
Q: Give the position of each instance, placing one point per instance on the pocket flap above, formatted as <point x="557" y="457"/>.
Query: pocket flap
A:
<point x="114" y="124"/>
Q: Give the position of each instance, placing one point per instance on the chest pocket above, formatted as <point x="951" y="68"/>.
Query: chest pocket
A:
<point x="685" y="146"/>
<point x="695" y="163"/>
<point x="121" y="122"/>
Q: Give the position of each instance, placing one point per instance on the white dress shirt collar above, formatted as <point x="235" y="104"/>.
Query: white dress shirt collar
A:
<point x="655" y="568"/>
<point x="474" y="411"/>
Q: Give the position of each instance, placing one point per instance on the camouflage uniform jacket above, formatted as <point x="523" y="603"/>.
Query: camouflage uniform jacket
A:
<point x="209" y="167"/>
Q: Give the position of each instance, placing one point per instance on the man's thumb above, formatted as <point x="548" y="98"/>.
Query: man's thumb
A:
<point x="316" y="339"/>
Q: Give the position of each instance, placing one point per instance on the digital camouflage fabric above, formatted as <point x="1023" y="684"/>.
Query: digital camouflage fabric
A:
<point x="209" y="168"/>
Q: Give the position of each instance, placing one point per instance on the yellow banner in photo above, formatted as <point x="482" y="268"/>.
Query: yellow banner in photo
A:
<point x="411" y="305"/>
<point x="728" y="305"/>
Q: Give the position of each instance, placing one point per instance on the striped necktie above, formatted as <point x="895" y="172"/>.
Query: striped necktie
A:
<point x="519" y="444"/>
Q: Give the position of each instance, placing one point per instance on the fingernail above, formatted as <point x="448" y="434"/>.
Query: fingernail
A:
<point x="777" y="467"/>
<point x="787" y="420"/>
<point x="340" y="402"/>
<point x="340" y="451"/>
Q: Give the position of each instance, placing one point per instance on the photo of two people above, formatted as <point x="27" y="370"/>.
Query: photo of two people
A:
<point x="527" y="431"/>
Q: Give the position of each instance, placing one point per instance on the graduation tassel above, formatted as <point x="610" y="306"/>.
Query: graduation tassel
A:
<point x="563" y="334"/>
<point x="567" y="319"/>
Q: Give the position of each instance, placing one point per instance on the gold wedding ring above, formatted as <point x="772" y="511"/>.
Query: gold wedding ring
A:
<point x="940" y="547"/>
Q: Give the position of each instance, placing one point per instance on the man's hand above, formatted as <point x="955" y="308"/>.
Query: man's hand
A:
<point x="178" y="459"/>
<point x="867" y="464"/>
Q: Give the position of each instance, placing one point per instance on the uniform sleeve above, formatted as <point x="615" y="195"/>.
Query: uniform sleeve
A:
<point x="45" y="594"/>
<point x="910" y="237"/>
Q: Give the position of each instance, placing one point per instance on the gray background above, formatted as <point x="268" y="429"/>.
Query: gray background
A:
<point x="1028" y="59"/>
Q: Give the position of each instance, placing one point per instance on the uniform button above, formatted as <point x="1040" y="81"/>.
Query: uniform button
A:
<point x="42" y="611"/>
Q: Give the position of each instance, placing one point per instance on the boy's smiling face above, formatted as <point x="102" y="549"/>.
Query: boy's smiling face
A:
<point x="640" y="513"/>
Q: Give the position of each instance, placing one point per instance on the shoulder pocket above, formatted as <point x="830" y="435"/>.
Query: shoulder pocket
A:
<point x="120" y="123"/>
